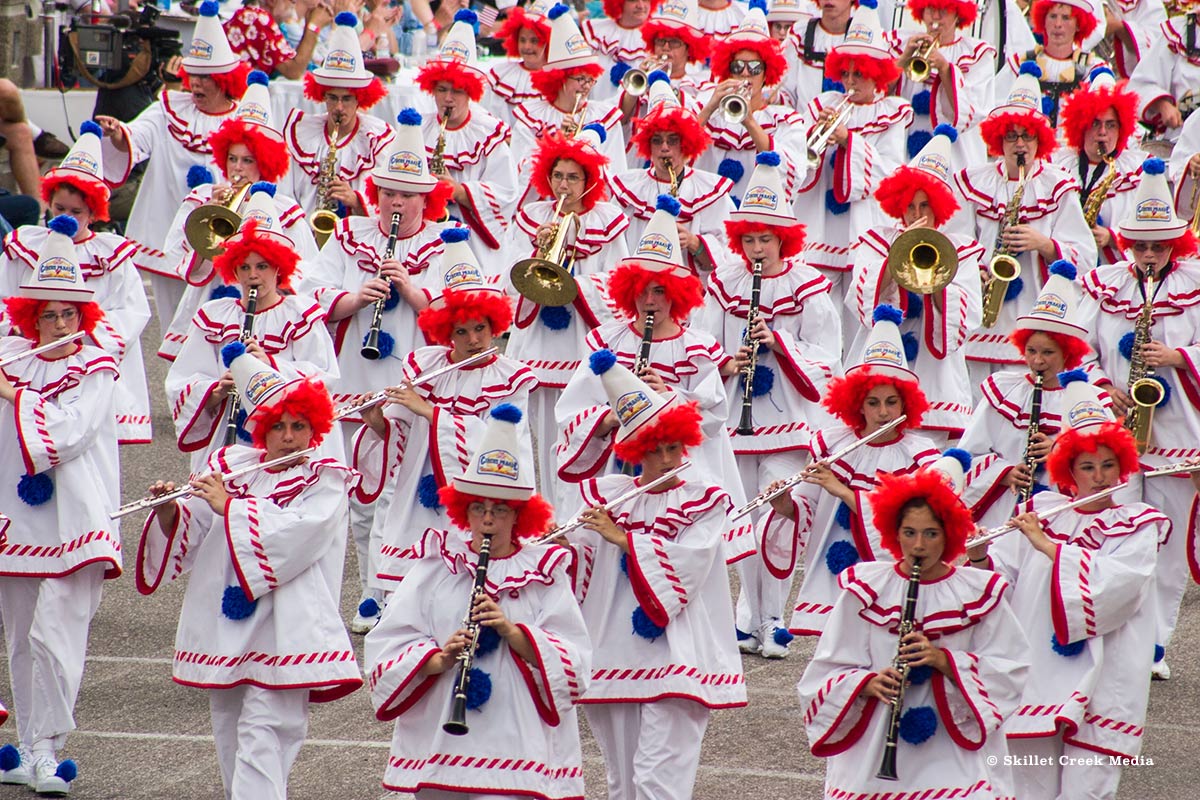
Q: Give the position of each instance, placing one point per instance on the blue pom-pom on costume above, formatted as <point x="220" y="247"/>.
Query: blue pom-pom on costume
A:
<point x="1048" y="106"/>
<point x="480" y="689"/>
<point x="556" y="318"/>
<point x="731" y="168"/>
<point x="257" y="76"/>
<point x="830" y="85"/>
<point x="1166" y="393"/>
<point x="617" y="72"/>
<point x="916" y="305"/>
<point x="234" y="604"/>
<point x="1038" y="488"/>
<point x="783" y="637"/>
<point x="768" y="158"/>
<point x="668" y="204"/>
<point x="963" y="457"/>
<point x="1125" y="345"/>
<point x="35" y="490"/>
<point x="1064" y="268"/>
<point x="920" y="102"/>
<point x="624" y="467"/>
<point x="387" y="344"/>
<point x="209" y="8"/>
<point x="88" y="126"/>
<point x="764" y="380"/>
<point x="263" y="186"/>
<point x="625" y="563"/>
<point x="601" y="361"/>
<point x="489" y="640"/>
<point x="947" y="130"/>
<point x="198" y="175"/>
<point x="887" y="313"/>
<point x="841" y="555"/>
<point x="225" y="291"/>
<point x="842" y="516"/>
<point x="917" y="141"/>
<point x="408" y="116"/>
<point x="833" y="206"/>
<point x="427" y="492"/>
<point x="346" y="18"/>
<point x="67" y="771"/>
<point x="644" y="627"/>
<point x="231" y="351"/>
<point x="918" y="724"/>
<point x="453" y="235"/>
<point x="243" y="434"/>
<point x="1067" y="650"/>
<point x="393" y="298"/>
<point x="919" y="675"/>
<point x="1014" y="289"/>
<point x="558" y="10"/>
<point x="466" y="15"/>
<point x="369" y="608"/>
<point x="1072" y="376"/>
<point x="598" y="129"/>
<point x="1154" y="166"/>
<point x="1160" y="653"/>
<point x="1030" y="68"/>
<point x="507" y="412"/>
<point x="67" y="226"/>
<point x="10" y="758"/>
<point x="912" y="347"/>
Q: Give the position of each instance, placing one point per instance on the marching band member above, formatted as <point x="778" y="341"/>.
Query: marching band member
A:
<point x="1098" y="121"/>
<point x="549" y="339"/>
<point x="671" y="138"/>
<point x="812" y="37"/>
<point x="617" y="39"/>
<point x="1166" y="79"/>
<point x="823" y="520"/>
<point x="950" y="682"/>
<point x="76" y="188"/>
<point x="526" y="36"/>
<point x="467" y="146"/>
<point x="247" y="149"/>
<point x="1130" y="28"/>
<point x="673" y="35"/>
<point x="266" y="548"/>
<point x="782" y="15"/>
<point x="173" y="134"/>
<point x="798" y="334"/>
<point x="1083" y="589"/>
<point x="1046" y="225"/>
<point x="918" y="197"/>
<point x="720" y="18"/>
<point x="653" y="587"/>
<point x="1153" y="297"/>
<point x="1184" y="172"/>
<point x="523" y="643"/>
<point x="59" y="546"/>
<point x="333" y="153"/>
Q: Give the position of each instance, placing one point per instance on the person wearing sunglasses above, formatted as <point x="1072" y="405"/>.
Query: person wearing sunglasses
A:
<point x="1048" y="226"/>
<point x="525" y="34"/>
<point x="1161" y="267"/>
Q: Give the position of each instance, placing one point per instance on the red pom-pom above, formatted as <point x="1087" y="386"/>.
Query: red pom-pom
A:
<point x="231" y="83"/>
<point x="965" y="10"/>
<point x="696" y="41"/>
<point x="694" y="140"/>
<point x="933" y="487"/>
<point x="1073" y="348"/>
<point x="883" y="71"/>
<point x="239" y="247"/>
<point x="367" y="96"/>
<point x="791" y="237"/>
<point x="679" y="424"/>
<point x="768" y="50"/>
<point x="94" y="193"/>
<point x="269" y="154"/>
<point x="555" y="147"/>
<point x="23" y="313"/>
<point x="896" y="191"/>
<point x="1080" y="108"/>
<point x="1084" y="21"/>
<point x="308" y="399"/>
<point x="1071" y="443"/>
<point x="459" y="76"/>
<point x="549" y="82"/>
<point x="844" y="398"/>
<point x="459" y="306"/>
<point x="994" y="128"/>
<point x="628" y="281"/>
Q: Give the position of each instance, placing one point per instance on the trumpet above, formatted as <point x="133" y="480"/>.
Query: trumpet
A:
<point x="378" y="398"/>
<point x="923" y="261"/>
<point x="822" y="133"/>
<point x="736" y="106"/>
<point x="1004" y="267"/>
<point x="576" y="522"/>
<point x="636" y="81"/>
<point x="370" y="348"/>
<point x="208" y="226"/>
<point x="570" y="124"/>
<point x="231" y="416"/>
<point x="996" y="533"/>
<point x="186" y="491"/>
<point x="546" y="278"/>
<point x="45" y="348"/>
<point x="919" y="65"/>
<point x="324" y="220"/>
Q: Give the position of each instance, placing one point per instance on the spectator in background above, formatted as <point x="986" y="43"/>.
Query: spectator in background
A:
<point x="258" y="40"/>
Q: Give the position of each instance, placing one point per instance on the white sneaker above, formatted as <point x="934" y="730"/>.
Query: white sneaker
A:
<point x="750" y="645"/>
<point x="46" y="780"/>
<point x="1160" y="671"/>
<point x="369" y="613"/>
<point x="22" y="772"/>
<point x="771" y="648"/>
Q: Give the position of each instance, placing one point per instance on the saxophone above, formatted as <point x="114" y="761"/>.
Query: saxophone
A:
<point x="1145" y="390"/>
<point x="1097" y="196"/>
<point x="437" y="161"/>
<point x="1004" y="266"/>
<point x="325" y="219"/>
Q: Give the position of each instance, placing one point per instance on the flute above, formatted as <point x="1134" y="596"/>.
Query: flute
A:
<point x="370" y="348"/>
<point x="996" y="533"/>
<point x="45" y="348"/>
<point x="380" y="397"/>
<point x="577" y="520"/>
<point x="235" y="402"/>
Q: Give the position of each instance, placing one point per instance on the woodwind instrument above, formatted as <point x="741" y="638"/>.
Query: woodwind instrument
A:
<point x="908" y="623"/>
<point x="674" y="177"/>
<point x="235" y="401"/>
<point x="185" y="491"/>
<point x="456" y="723"/>
<point x="1099" y="193"/>
<point x="1035" y="414"/>
<point x="45" y="348"/>
<point x="325" y="219"/>
<point x="746" y="423"/>
<point x="577" y="521"/>
<point x="1145" y="390"/>
<point x="378" y="398"/>
<point x="437" y="161"/>
<point x="996" y="533"/>
<point x="643" y="359"/>
<point x="370" y="348"/>
<point x="1004" y="267"/>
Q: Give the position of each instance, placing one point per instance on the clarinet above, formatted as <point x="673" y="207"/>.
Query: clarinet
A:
<point x="643" y="359"/>
<point x="746" y="424"/>
<point x="887" y="767"/>
<point x="235" y="402"/>
<point x="456" y="723"/>
<point x="370" y="348"/>
<point x="1035" y="413"/>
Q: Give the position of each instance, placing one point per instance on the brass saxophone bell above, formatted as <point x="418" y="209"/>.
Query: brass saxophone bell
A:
<point x="923" y="261"/>
<point x="323" y="222"/>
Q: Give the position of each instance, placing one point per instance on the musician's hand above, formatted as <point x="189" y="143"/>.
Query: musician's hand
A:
<point x="406" y="396"/>
<point x="397" y="273"/>
<point x="167" y="513"/>
<point x="688" y="240"/>
<point x="7" y="390"/>
<point x="739" y="361"/>
<point x="211" y="489"/>
<point x="373" y="417"/>
<point x="341" y="191"/>
<point x="918" y="651"/>
<point x="1195" y="476"/>
<point x="1194" y="166"/>
<point x="1158" y="355"/>
<point x="1024" y="238"/>
<point x="255" y="349"/>
<point x="225" y="386"/>
<point x="1166" y="111"/>
<point x="447" y="657"/>
<point x="783" y="503"/>
<point x="487" y="611"/>
<point x="222" y="192"/>
<point x="1029" y="525"/>
<point x="159" y="488"/>
<point x="762" y="334"/>
<point x="884" y="686"/>
<point x="1040" y="447"/>
<point x="1102" y="236"/>
<point x="544" y="237"/>
<point x="608" y="424"/>
<point x="597" y="519"/>
<point x="921" y="222"/>
<point x="373" y="290"/>
<point x="977" y="554"/>
<point x="823" y="476"/>
<point x="1018" y="478"/>
<point x="1121" y="400"/>
<point x="916" y="41"/>
<point x="654" y="381"/>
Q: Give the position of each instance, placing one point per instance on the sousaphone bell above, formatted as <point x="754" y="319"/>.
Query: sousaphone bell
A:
<point x="922" y="261"/>
<point x="546" y="278"/>
<point x="208" y="226"/>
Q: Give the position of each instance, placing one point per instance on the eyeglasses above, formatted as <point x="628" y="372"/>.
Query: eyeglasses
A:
<point x="583" y="78"/>
<point x="498" y="510"/>
<point x="66" y="315"/>
<point x="670" y="44"/>
<point x="671" y="140"/>
<point x="560" y="177"/>
<point x="1012" y="137"/>
<point x="1158" y="248"/>
<point x="334" y="100"/>
<point x="738" y="67"/>
<point x="1105" y="125"/>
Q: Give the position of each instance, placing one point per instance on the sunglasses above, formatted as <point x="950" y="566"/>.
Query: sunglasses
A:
<point x="739" y="67"/>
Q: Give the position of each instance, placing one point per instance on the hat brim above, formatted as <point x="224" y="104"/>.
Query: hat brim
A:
<point x="260" y="234"/>
<point x="491" y="490"/>
<point x="1017" y="108"/>
<point x="1050" y="326"/>
<point x="655" y="265"/>
<point x="900" y="373"/>
<point x="418" y="187"/>
<point x="1154" y="232"/>
<point x="572" y="62"/>
<point x="627" y="432"/>
<point x="342" y="81"/>
<point x="863" y="50"/>
<point x="784" y="220"/>
<point x="61" y="295"/>
<point x="206" y="68"/>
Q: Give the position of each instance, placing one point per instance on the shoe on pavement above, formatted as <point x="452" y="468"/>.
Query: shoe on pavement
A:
<point x="748" y="643"/>
<point x="51" y="778"/>
<point x="774" y="641"/>
<point x="16" y="766"/>
<point x="49" y="146"/>
<point x="1160" y="671"/>
<point x="367" y="617"/>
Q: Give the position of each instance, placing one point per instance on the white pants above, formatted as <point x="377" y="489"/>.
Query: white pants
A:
<point x="1073" y="774"/>
<point x="258" y="733"/>
<point x="1173" y="497"/>
<point x="762" y="597"/>
<point x="46" y="623"/>
<point x="651" y="750"/>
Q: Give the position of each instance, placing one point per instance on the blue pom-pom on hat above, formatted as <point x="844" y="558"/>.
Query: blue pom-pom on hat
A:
<point x="480" y="689"/>
<point x="1098" y="70"/>
<point x="657" y="76"/>
<point x="234" y="604"/>
<point x="887" y="313"/>
<point x="88" y="126"/>
<point x="10" y="758"/>
<point x="407" y="116"/>
<point x="259" y="187"/>
<point x="210" y="8"/>
<point x="257" y="76"/>
<point x="868" y="4"/>
<point x="731" y="168"/>
<point x="427" y="492"/>
<point x="960" y="455"/>
<point x="598" y="129"/>
<point x="558" y="10"/>
<point x="231" y="351"/>
<point x="66" y="225"/>
<point x="1154" y="166"/>
<point x="601" y="361"/>
<point x="67" y="771"/>
<point x="767" y="159"/>
<point x="1072" y="376"/>
<point x="348" y="18"/>
<point x="949" y="131"/>
<point x="918" y="724"/>
<point x="507" y="412"/>
<point x="617" y="72"/>
<point x="643" y="626"/>
<point x="1125" y="345"/>
<point x="841" y="554"/>
<point x="1030" y="68"/>
<point x="668" y="204"/>
<point x="920" y="102"/>
<point x="198" y="175"/>
<point x="35" y="490"/>
<point x="1064" y="268"/>
<point x="556" y="318"/>
<point x="761" y="5"/>
<point x="466" y="15"/>
<point x="225" y="291"/>
<point x="454" y="235"/>
<point x="912" y="347"/>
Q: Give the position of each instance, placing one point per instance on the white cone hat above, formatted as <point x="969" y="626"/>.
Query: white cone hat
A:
<point x="343" y="64"/>
<point x="261" y="208"/>
<point x="884" y="350"/>
<point x="57" y="275"/>
<point x="1025" y="96"/>
<point x="864" y="35"/>
<point x="680" y="13"/>
<point x="496" y="469"/>
<point x="787" y="10"/>
<point x="567" y="47"/>
<point x="84" y="160"/>
<point x="258" y="383"/>
<point x="752" y="27"/>
<point x="209" y="52"/>
<point x="765" y="199"/>
<point x="460" y="267"/>
<point x="658" y="249"/>
<point x="934" y="157"/>
<point x="255" y="105"/>
<point x="1056" y="309"/>
<point x="1082" y="406"/>
<point x="1153" y="217"/>
<point x="403" y="165"/>
<point x="633" y="402"/>
<point x="951" y="465"/>
<point x="459" y="43"/>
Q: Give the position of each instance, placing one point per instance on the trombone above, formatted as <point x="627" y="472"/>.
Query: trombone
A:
<point x="922" y="260"/>
<point x="919" y="65"/>
<point x="208" y="226"/>
<point x="546" y="278"/>
<point x="822" y="133"/>
<point x="636" y="81"/>
<point x="736" y="106"/>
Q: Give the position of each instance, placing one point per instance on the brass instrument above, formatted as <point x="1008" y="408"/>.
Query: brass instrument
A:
<point x="1194" y="226"/>
<point x="1004" y="267"/>
<point x="570" y="124"/>
<point x="746" y="423"/>
<point x="546" y="278"/>
<point x="919" y="65"/>
<point x="45" y="348"/>
<point x="185" y="491"/>
<point x="736" y="106"/>
<point x="674" y="177"/>
<point x="325" y="219"/>
<point x="208" y="226"/>
<point x="1042" y="516"/>
<point x="636" y="81"/>
<point x="577" y="522"/>
<point x="643" y="359"/>
<point x="378" y="398"/>
<point x="822" y="133"/>
<point x="234" y="400"/>
<point x="370" y="347"/>
<point x="1099" y="193"/>
<point x="908" y="624"/>
<point x="1035" y="416"/>
<point x="456" y="724"/>
<point x="923" y="261"/>
<point x="437" y="161"/>
<point x="1145" y="390"/>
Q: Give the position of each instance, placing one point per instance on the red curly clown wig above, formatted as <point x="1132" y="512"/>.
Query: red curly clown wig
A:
<point x="767" y="49"/>
<point x="549" y="82"/>
<point x="883" y="71"/>
<point x="965" y="10"/>
<point x="993" y="129"/>
<point x="614" y="8"/>
<point x="307" y="399"/>
<point x="628" y="280"/>
<point x="436" y="200"/>
<point x="1073" y="348"/>
<point x="23" y="313"/>
<point x="95" y="193"/>
<point x="1085" y="23"/>
<point x="680" y="423"/>
<point x="517" y="20"/>
<point x="791" y="237"/>
<point x="1084" y="105"/>
<point x="457" y="306"/>
<point x="1071" y="443"/>
<point x="455" y="73"/>
<point x="231" y="83"/>
<point x="270" y="154"/>
<point x="533" y="515"/>
<point x="554" y="148"/>
<point x="845" y="396"/>
<point x="897" y="190"/>
<point x="896" y="494"/>
<point x="695" y="41"/>
<point x="694" y="140"/>
<point x="1182" y="246"/>
<point x="246" y="241"/>
<point x="367" y="96"/>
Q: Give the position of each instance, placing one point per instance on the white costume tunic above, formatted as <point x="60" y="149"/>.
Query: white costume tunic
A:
<point x="966" y="614"/>
<point x="198" y="273"/>
<point x="732" y="141"/>
<point x="817" y="529"/>
<point x="704" y="205"/>
<point x="1180" y="177"/>
<point x="308" y="145"/>
<point x="524" y="739"/>
<point x="996" y="436"/>
<point x="1169" y="69"/>
<point x="1142" y="20"/>
<point x="477" y="155"/>
<point x="535" y="118"/>
<point x="1050" y="205"/>
<point x="291" y="334"/>
<point x="509" y="85"/>
<point x="414" y="452"/>
<point x="613" y="44"/>
<point x="721" y="21"/>
<point x="106" y="260"/>
<point x="808" y="80"/>
<point x="1119" y="199"/>
<point x="938" y="336"/>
